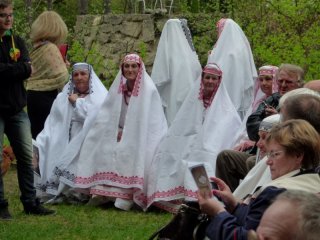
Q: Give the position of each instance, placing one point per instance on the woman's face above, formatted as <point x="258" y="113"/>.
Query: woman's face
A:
<point x="262" y="142"/>
<point x="280" y="162"/>
<point x="130" y="70"/>
<point x="81" y="80"/>
<point x="210" y="82"/>
<point x="266" y="84"/>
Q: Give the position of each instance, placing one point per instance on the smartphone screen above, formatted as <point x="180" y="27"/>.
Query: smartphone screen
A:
<point x="200" y="176"/>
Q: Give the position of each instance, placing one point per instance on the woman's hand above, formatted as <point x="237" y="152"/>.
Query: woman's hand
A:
<point x="73" y="98"/>
<point x="225" y="194"/>
<point x="208" y="205"/>
<point x="244" y="146"/>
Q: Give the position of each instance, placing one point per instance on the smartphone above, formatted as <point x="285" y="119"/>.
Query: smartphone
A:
<point x="63" y="50"/>
<point x="265" y="104"/>
<point x="200" y="176"/>
<point x="214" y="185"/>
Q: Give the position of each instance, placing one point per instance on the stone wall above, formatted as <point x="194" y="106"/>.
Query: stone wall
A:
<point x="108" y="38"/>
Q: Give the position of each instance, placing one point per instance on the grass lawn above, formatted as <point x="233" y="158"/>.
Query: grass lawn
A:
<point x="76" y="222"/>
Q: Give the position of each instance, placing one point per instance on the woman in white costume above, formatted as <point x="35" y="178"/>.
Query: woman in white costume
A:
<point x="233" y="54"/>
<point x="265" y="85"/>
<point x="205" y="124"/>
<point x="176" y="66"/>
<point x="70" y="118"/>
<point x="119" y="147"/>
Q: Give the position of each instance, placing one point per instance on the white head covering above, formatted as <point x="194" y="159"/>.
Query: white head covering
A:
<point x="233" y="54"/>
<point x="213" y="69"/>
<point x="268" y="122"/>
<point x="118" y="169"/>
<point x="196" y="136"/>
<point x="53" y="141"/>
<point x="176" y="66"/>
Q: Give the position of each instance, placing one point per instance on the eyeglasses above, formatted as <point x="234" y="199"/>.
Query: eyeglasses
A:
<point x="5" y="15"/>
<point x="287" y="82"/>
<point x="274" y="154"/>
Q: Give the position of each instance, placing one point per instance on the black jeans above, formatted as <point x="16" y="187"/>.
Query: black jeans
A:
<point x="17" y="129"/>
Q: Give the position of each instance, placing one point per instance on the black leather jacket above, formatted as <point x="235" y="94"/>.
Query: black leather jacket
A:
<point x="12" y="76"/>
<point x="254" y="120"/>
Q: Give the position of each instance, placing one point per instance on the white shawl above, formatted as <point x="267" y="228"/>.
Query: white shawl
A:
<point x="53" y="141"/>
<point x="118" y="169"/>
<point x="309" y="182"/>
<point x="259" y="175"/>
<point x="191" y="140"/>
<point x="176" y="66"/>
<point x="232" y="53"/>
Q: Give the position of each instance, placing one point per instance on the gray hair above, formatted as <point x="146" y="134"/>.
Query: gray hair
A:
<point x="307" y="205"/>
<point x="292" y="69"/>
<point x="296" y="92"/>
<point x="299" y="107"/>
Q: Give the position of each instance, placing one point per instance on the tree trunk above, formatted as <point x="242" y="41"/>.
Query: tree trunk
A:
<point x="83" y="7"/>
<point x="128" y="6"/>
<point x="49" y="5"/>
<point x="223" y="5"/>
<point x="107" y="6"/>
<point x="28" y="4"/>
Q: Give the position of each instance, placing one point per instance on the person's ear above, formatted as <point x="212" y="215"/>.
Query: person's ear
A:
<point x="299" y="157"/>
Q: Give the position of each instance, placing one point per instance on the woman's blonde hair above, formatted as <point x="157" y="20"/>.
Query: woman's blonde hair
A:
<point x="297" y="136"/>
<point x="49" y="26"/>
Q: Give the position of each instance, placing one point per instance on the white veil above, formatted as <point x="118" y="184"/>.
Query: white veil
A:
<point x="176" y="66"/>
<point x="232" y="52"/>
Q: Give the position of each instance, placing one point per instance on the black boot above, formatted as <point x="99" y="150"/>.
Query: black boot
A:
<point x="4" y="212"/>
<point x="35" y="208"/>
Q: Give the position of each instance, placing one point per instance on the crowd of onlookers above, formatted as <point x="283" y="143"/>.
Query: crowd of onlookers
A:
<point x="255" y="133"/>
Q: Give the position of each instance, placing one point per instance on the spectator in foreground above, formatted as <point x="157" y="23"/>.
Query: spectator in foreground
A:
<point x="298" y="106"/>
<point x="293" y="215"/>
<point x="50" y="74"/>
<point x="14" y="121"/>
<point x="293" y="154"/>
<point x="232" y="167"/>
<point x="313" y="84"/>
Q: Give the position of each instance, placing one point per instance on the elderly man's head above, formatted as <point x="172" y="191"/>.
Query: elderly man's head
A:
<point x="313" y="85"/>
<point x="293" y="215"/>
<point x="289" y="77"/>
<point x="302" y="106"/>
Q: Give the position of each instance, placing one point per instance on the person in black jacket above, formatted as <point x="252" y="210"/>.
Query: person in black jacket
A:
<point x="15" y="68"/>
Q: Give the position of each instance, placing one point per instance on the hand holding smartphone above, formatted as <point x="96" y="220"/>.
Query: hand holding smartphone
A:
<point x="200" y="176"/>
